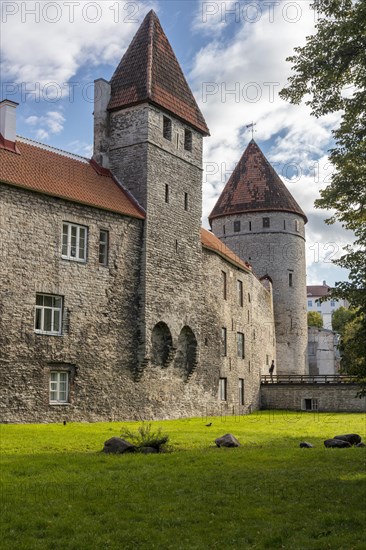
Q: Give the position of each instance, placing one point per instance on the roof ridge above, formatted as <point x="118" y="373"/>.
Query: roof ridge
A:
<point x="150" y="53"/>
<point x="52" y="149"/>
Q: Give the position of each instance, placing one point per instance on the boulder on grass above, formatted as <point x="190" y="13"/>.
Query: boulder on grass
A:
<point x="118" y="446"/>
<point x="306" y="445"/>
<point x="360" y="444"/>
<point x="336" y="444"/>
<point x="351" y="438"/>
<point x="227" y="440"/>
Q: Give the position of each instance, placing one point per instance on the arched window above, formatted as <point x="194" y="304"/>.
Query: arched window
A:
<point x="186" y="358"/>
<point x="162" y="342"/>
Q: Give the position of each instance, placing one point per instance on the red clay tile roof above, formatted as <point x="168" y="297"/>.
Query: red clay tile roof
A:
<point x="254" y="186"/>
<point x="39" y="169"/>
<point x="210" y="241"/>
<point x="149" y="71"/>
<point x="318" y="290"/>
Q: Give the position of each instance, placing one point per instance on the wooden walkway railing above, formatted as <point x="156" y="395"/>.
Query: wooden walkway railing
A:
<point x="307" y="379"/>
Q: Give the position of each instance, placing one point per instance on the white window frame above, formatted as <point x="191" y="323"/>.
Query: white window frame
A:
<point x="314" y="404"/>
<point x="73" y="251"/>
<point x="56" y="313"/>
<point x="59" y="390"/>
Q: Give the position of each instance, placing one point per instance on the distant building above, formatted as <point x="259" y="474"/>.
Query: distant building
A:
<point x="323" y="351"/>
<point x="326" y="309"/>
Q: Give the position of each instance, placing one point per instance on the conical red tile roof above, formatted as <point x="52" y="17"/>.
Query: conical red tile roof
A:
<point x="149" y="71"/>
<point x="254" y="186"/>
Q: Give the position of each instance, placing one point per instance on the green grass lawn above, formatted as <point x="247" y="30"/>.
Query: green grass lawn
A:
<point x="58" y="491"/>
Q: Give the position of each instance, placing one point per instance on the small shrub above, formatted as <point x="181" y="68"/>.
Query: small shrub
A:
<point x="145" y="437"/>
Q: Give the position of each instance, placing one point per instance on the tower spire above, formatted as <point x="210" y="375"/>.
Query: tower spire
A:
<point x="251" y="125"/>
<point x="149" y="72"/>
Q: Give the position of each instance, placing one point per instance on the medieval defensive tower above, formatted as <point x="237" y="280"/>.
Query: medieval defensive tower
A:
<point x="148" y="131"/>
<point x="257" y="217"/>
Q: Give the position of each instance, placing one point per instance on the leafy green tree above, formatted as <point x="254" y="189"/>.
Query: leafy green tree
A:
<point x="341" y="317"/>
<point x="315" y="319"/>
<point x="353" y="347"/>
<point x="330" y="72"/>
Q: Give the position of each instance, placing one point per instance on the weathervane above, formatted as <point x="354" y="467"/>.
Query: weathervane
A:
<point x="252" y="127"/>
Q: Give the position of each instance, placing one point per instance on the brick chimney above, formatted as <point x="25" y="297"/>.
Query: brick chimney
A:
<point x="102" y="94"/>
<point x="8" y="120"/>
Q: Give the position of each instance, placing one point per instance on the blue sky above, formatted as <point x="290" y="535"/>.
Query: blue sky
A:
<point x="234" y="57"/>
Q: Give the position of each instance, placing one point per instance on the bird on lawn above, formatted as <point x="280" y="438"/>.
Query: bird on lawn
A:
<point x="64" y="422"/>
<point x="208" y="425"/>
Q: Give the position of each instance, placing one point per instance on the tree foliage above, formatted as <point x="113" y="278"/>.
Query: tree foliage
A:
<point x="330" y="73"/>
<point x="315" y="319"/>
<point x="341" y="317"/>
<point x="353" y="347"/>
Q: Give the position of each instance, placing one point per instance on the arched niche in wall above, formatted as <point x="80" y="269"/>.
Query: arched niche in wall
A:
<point x="186" y="356"/>
<point x="161" y="344"/>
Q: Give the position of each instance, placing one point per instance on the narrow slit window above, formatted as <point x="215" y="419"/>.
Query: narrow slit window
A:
<point x="290" y="279"/>
<point x="188" y="140"/>
<point x="185" y="201"/>
<point x="250" y="226"/>
<point x="241" y="391"/>
<point x="223" y="388"/>
<point x="240" y="345"/>
<point x="167" y="128"/>
<point x="103" y="247"/>
<point x="240" y="293"/>
<point x="224" y="284"/>
<point x="223" y="342"/>
<point x="166" y="193"/>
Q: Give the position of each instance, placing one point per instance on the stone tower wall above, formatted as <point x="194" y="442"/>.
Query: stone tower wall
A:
<point x="277" y="251"/>
<point x="167" y="181"/>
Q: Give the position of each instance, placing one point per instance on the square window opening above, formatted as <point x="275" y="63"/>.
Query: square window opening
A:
<point x="74" y="242"/>
<point x="48" y="314"/>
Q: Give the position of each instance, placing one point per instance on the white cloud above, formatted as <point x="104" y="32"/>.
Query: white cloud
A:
<point x="236" y="78"/>
<point x="47" y="42"/>
<point x="80" y="148"/>
<point x="44" y="126"/>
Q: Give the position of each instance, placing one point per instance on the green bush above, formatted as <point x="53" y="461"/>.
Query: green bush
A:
<point x="146" y="437"/>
